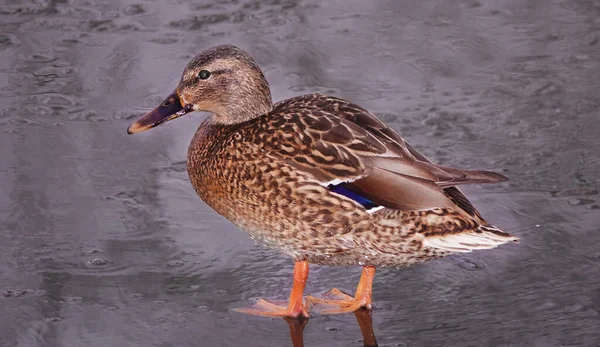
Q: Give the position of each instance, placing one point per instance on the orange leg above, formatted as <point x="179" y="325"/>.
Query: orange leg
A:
<point x="295" y="306"/>
<point x="346" y="303"/>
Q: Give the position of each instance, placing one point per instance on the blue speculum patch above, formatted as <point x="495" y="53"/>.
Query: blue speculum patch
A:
<point x="342" y="190"/>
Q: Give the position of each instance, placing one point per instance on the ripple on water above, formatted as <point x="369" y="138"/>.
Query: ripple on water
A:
<point x="15" y="293"/>
<point x="199" y="22"/>
<point x="58" y="68"/>
<point x="39" y="57"/>
<point x="98" y="262"/>
<point x="267" y="14"/>
<point x="128" y="198"/>
<point x="56" y="99"/>
<point x="46" y="77"/>
<point x="8" y="40"/>
<point x="580" y="201"/>
<point x="575" y="192"/>
<point x="468" y="265"/>
<point x="58" y="24"/>
<point x="102" y="266"/>
<point x="427" y="67"/>
<point x="30" y="9"/>
<point x="178" y="166"/>
<point x="53" y="319"/>
<point x="139" y="220"/>
<point x="304" y="89"/>
<point x="113" y="26"/>
<point x="164" y="39"/>
<point x="447" y="124"/>
<point x="88" y="115"/>
<point x="127" y="114"/>
<point x="154" y="100"/>
<point x="175" y="263"/>
<point x="135" y="9"/>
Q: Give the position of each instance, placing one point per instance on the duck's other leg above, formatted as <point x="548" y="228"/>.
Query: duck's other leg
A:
<point x="346" y="303"/>
<point x="295" y="306"/>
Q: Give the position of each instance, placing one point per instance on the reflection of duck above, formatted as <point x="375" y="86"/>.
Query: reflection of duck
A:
<point x="319" y="178"/>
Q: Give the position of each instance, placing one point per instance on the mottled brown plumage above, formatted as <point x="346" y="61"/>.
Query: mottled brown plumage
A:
<point x="318" y="177"/>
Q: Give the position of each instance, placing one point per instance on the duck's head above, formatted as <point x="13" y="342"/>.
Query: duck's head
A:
<point x="223" y="80"/>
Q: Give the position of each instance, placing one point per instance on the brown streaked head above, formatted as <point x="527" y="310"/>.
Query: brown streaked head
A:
<point x="223" y="80"/>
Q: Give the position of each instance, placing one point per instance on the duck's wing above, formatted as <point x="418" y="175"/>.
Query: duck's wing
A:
<point x="340" y="143"/>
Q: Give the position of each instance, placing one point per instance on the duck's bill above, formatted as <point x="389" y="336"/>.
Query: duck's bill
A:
<point x="169" y="109"/>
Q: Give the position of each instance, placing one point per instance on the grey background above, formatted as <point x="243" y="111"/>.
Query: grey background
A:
<point x="103" y="242"/>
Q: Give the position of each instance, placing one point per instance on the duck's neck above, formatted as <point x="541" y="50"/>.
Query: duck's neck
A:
<point x="245" y="102"/>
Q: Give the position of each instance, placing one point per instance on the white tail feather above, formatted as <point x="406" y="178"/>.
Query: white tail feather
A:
<point x="485" y="237"/>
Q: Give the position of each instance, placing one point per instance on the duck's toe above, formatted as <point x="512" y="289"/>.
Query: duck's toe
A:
<point x="275" y="309"/>
<point x="336" y="302"/>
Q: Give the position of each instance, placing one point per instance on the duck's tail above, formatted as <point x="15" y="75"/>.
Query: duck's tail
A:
<point x="484" y="237"/>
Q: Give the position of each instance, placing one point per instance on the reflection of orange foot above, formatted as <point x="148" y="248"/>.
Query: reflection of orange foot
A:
<point x="365" y="322"/>
<point x="295" y="307"/>
<point x="345" y="303"/>
<point x="275" y="309"/>
<point x="297" y="326"/>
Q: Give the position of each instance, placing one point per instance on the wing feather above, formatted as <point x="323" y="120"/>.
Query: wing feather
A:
<point x="344" y="142"/>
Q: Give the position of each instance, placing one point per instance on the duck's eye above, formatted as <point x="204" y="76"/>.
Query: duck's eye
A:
<point x="204" y="74"/>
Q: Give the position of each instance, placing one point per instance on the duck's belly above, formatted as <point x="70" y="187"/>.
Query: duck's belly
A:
<point x="279" y="206"/>
<point x="286" y="216"/>
<point x="283" y="210"/>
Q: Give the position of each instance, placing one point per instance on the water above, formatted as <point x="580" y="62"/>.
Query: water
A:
<point x="103" y="242"/>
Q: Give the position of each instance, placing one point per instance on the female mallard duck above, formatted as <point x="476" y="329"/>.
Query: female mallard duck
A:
<point x="319" y="178"/>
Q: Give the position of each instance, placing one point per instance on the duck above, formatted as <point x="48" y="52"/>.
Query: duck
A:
<point x="318" y="178"/>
